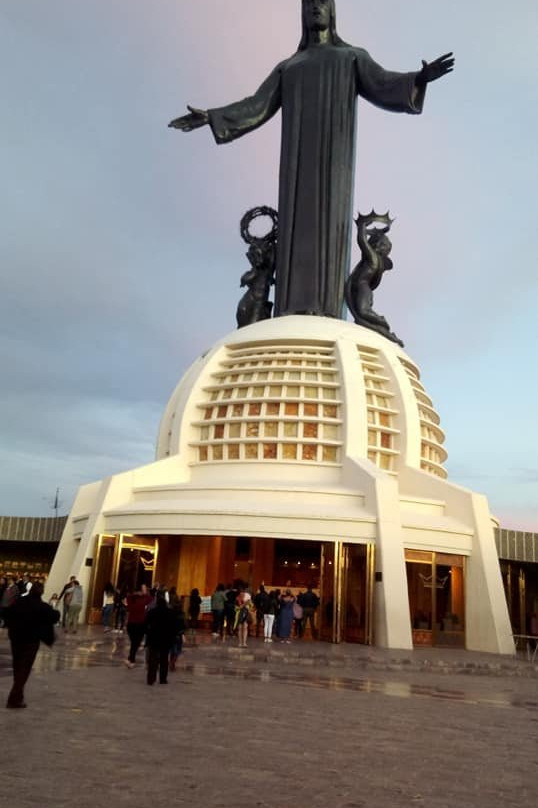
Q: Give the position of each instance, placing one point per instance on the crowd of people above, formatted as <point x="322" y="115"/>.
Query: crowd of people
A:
<point x="164" y="619"/>
<point x="274" y="614"/>
<point x="157" y="617"/>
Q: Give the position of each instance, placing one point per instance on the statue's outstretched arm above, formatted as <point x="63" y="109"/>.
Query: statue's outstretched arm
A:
<point x="236" y="119"/>
<point x="195" y="119"/>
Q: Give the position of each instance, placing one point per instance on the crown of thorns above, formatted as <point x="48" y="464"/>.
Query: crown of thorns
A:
<point x="255" y="213"/>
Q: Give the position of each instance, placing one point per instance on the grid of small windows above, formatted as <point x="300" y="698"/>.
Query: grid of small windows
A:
<point x="383" y="436"/>
<point x="432" y="453"/>
<point x="272" y="402"/>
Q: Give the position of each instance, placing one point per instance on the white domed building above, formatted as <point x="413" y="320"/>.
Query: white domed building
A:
<point x="302" y="450"/>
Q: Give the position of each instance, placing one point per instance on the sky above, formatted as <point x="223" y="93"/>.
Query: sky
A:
<point x="120" y="252"/>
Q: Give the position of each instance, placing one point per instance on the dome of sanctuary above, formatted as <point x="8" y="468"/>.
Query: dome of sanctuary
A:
<point x="307" y="391"/>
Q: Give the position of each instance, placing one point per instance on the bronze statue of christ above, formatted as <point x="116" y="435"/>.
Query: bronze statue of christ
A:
<point x="316" y="89"/>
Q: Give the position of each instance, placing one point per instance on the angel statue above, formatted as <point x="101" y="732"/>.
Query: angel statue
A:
<point x="375" y="248"/>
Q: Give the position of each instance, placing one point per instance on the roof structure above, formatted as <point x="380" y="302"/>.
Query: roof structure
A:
<point x="32" y="528"/>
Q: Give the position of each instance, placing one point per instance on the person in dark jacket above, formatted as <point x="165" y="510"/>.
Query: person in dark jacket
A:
<point x="310" y="602"/>
<point x="229" y="608"/>
<point x="3" y="586"/>
<point x="29" y="622"/>
<point x="9" y="595"/>
<point x="218" y="604"/>
<point x="161" y="625"/>
<point x="195" y="604"/>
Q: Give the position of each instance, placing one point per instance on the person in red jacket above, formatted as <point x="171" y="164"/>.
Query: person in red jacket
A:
<point x="137" y="604"/>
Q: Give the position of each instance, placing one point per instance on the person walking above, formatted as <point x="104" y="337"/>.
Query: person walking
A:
<point x="218" y="602"/>
<point x="137" y="604"/>
<point x="74" y="608"/>
<point x="29" y="622"/>
<point x="160" y="628"/>
<point x="109" y="594"/>
<point x="65" y="597"/>
<point x="120" y="609"/>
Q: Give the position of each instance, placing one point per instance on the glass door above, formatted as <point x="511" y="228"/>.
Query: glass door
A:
<point x="328" y="607"/>
<point x="435" y="583"/>
<point x="136" y="565"/>
<point x="419" y="568"/>
<point x="357" y="592"/>
<point x="102" y="573"/>
<point x="346" y="592"/>
<point x="449" y="605"/>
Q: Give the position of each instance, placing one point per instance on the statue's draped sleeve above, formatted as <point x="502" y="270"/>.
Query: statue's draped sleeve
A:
<point x="230" y="122"/>
<point x="396" y="92"/>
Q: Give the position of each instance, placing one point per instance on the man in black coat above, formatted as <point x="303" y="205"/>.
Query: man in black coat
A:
<point x="29" y="622"/>
<point x="161" y="629"/>
<point x="310" y="602"/>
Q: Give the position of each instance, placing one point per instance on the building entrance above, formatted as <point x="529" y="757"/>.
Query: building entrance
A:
<point x="435" y="583"/>
<point x="340" y="573"/>
<point x="126" y="561"/>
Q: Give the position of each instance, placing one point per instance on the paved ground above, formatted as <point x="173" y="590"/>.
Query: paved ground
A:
<point x="267" y="728"/>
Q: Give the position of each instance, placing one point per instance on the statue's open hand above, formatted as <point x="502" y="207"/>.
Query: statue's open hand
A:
<point x="434" y="70"/>
<point x="195" y="119"/>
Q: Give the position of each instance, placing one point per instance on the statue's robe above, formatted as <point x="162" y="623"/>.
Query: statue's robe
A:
<point x="317" y="90"/>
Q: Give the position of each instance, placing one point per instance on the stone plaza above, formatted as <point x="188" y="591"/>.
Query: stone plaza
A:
<point x="306" y="724"/>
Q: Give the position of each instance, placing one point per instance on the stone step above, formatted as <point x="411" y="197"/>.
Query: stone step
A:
<point x="363" y="658"/>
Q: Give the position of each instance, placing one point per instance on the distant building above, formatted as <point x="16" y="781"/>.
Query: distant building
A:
<point x="518" y="554"/>
<point x="28" y="544"/>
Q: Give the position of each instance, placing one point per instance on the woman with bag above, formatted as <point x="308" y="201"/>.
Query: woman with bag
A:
<point x="243" y="616"/>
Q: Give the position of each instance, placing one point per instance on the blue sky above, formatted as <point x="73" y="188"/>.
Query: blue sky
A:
<point x="119" y="244"/>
